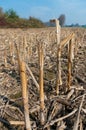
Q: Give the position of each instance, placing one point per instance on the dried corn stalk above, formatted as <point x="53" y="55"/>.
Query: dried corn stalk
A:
<point x="69" y="63"/>
<point x="58" y="31"/>
<point x="25" y="94"/>
<point x="24" y="47"/>
<point x="59" y="79"/>
<point x="5" y="57"/>
<point x="22" y="70"/>
<point x="12" y="52"/>
<point x="41" y="60"/>
<point x="58" y="76"/>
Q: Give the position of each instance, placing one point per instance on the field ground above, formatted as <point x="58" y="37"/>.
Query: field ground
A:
<point x="11" y="108"/>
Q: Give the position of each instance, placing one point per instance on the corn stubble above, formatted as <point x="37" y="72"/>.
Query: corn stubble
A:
<point x="25" y="50"/>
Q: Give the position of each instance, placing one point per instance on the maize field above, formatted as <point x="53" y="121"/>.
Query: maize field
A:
<point x="43" y="79"/>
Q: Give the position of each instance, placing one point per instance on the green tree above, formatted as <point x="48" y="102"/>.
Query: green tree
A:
<point x="11" y="14"/>
<point x="12" y="18"/>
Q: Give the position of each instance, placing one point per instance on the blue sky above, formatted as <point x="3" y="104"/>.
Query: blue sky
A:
<point x="74" y="10"/>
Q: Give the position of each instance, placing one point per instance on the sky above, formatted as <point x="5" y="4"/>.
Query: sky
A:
<point x="74" y="10"/>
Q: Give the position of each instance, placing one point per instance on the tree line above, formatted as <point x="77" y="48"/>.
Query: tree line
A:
<point x="10" y="19"/>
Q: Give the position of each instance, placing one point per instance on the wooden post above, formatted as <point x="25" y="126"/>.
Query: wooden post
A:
<point x="25" y="94"/>
<point x="69" y="63"/>
<point x="41" y="60"/>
